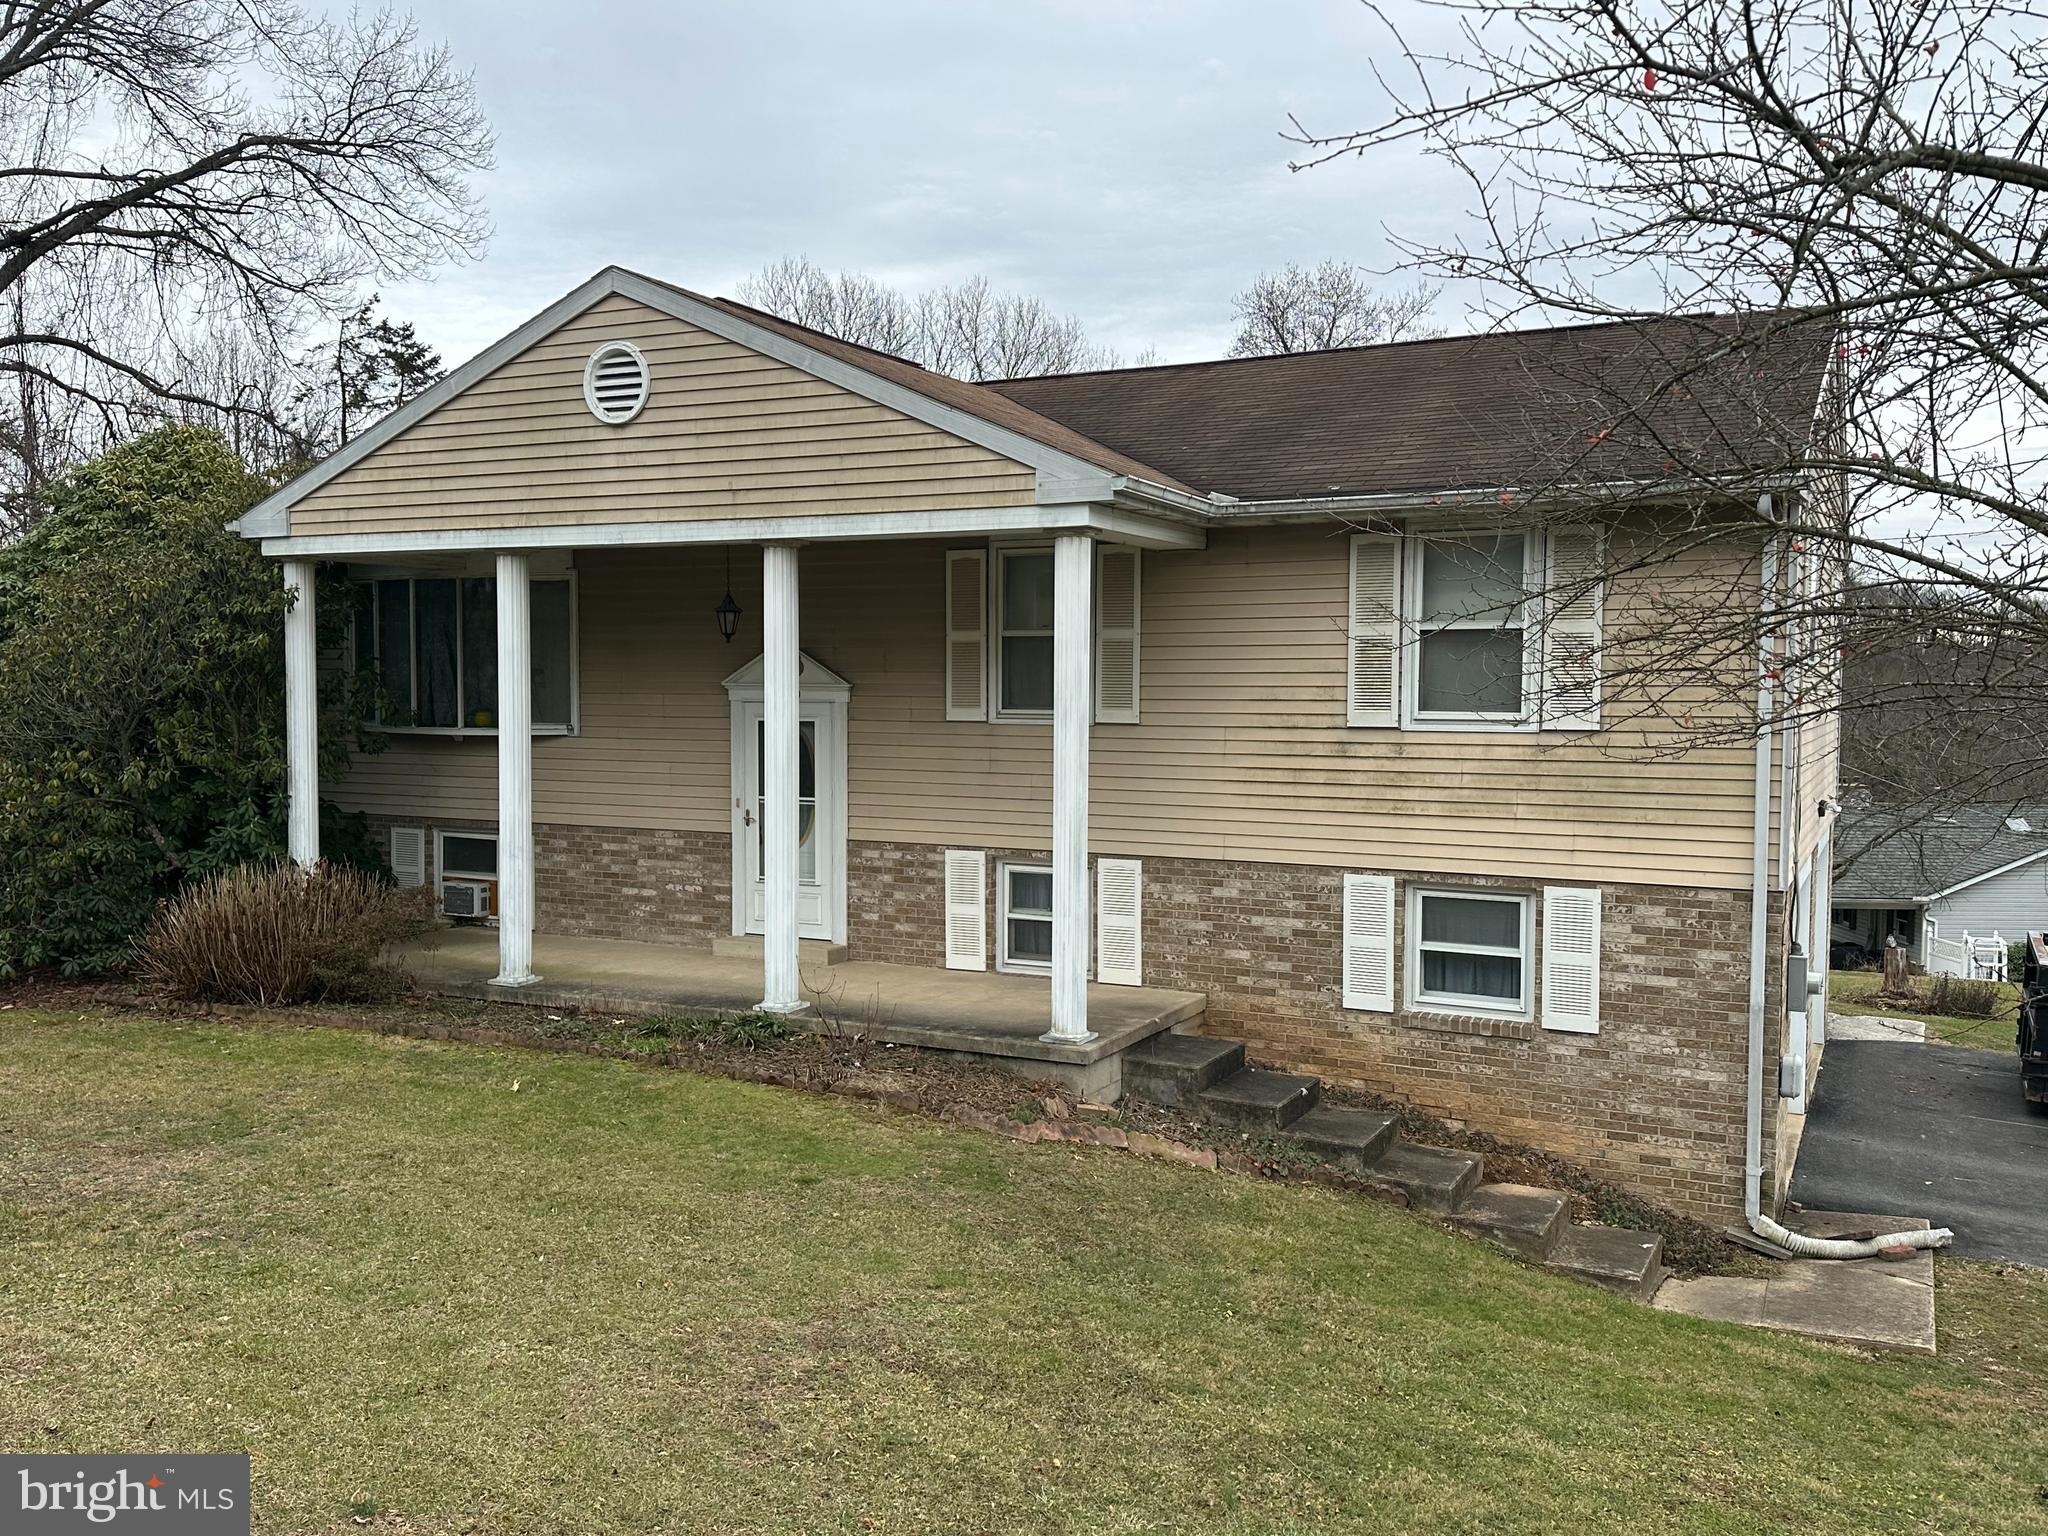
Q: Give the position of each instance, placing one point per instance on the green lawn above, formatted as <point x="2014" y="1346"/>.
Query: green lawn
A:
<point x="1857" y="992"/>
<point x="497" y="1291"/>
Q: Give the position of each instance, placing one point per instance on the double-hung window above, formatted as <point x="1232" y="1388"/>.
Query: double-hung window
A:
<point x="1470" y="952"/>
<point x="1024" y="921"/>
<point x="428" y="646"/>
<point x="1476" y="629"/>
<point x="999" y="620"/>
<point x="1470" y="657"/>
<point x="1024" y="583"/>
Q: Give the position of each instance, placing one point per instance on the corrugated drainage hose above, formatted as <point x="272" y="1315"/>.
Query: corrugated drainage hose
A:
<point x="1847" y="1247"/>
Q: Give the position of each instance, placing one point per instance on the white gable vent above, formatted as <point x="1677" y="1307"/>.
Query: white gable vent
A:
<point x="615" y="382"/>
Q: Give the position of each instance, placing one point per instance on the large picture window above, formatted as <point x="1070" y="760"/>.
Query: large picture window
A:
<point x="1470" y="952"/>
<point x="429" y="644"/>
<point x="1024" y="631"/>
<point x="1470" y="652"/>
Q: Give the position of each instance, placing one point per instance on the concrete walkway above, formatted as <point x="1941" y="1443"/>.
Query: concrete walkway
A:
<point x="1874" y="1026"/>
<point x="1870" y="1303"/>
<point x="982" y="1013"/>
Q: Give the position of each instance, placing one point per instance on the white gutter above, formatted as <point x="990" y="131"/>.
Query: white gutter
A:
<point x="1238" y="510"/>
<point x="1759" y="954"/>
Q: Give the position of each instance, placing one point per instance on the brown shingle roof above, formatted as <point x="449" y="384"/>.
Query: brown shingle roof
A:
<point x="975" y="399"/>
<point x="1511" y="409"/>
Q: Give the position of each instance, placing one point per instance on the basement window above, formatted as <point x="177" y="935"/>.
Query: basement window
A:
<point x="1470" y="952"/>
<point x="427" y="647"/>
<point x="1024" y="918"/>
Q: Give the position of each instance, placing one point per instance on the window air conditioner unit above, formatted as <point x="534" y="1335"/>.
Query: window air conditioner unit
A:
<point x="466" y="899"/>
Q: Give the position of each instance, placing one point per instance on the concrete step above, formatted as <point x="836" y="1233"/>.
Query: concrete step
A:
<point x="1172" y="1070"/>
<point x="1629" y="1263"/>
<point x="1261" y="1101"/>
<point x="1353" y="1139"/>
<point x="1519" y="1217"/>
<point x="747" y="946"/>
<point x="1435" y="1180"/>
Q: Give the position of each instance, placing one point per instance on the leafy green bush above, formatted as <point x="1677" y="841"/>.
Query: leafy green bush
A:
<point x="272" y="933"/>
<point x="141" y="700"/>
<point x="1958" y="997"/>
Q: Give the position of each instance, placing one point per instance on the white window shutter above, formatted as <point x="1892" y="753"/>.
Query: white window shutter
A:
<point x="1116" y="634"/>
<point x="1369" y="942"/>
<point x="1574" y="595"/>
<point x="409" y="855"/>
<point x="1119" y="922"/>
<point x="1571" y="958"/>
<point x="966" y="909"/>
<point x="966" y="634"/>
<point x="1373" y="666"/>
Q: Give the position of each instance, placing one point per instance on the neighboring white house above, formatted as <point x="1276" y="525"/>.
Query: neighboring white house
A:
<point x="1943" y="886"/>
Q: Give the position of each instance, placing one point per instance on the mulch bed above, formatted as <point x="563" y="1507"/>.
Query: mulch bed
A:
<point x="920" y="1082"/>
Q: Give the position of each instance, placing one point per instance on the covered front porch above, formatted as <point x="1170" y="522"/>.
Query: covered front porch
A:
<point x="1002" y="1020"/>
<point x="531" y="524"/>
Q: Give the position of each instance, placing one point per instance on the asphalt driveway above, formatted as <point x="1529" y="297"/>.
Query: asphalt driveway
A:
<point x="1934" y="1131"/>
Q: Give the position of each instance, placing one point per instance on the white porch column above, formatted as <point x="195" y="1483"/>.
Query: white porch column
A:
<point x="301" y="718"/>
<point x="515" y="773"/>
<point x="779" y="691"/>
<point x="1073" y="572"/>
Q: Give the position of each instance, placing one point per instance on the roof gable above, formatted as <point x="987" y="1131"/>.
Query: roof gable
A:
<point x="745" y="414"/>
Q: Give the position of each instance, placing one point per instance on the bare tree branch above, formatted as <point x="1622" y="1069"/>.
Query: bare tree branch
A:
<point x="178" y="171"/>
<point x="1873" y="175"/>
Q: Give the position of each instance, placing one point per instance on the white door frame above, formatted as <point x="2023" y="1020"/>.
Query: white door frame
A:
<point x="822" y="697"/>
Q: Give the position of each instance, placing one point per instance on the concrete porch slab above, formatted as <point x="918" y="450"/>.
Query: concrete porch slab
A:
<point x="976" y="1013"/>
<point x="1870" y="1303"/>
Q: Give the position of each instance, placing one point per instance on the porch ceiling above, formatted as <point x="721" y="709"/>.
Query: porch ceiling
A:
<point x="983" y="1012"/>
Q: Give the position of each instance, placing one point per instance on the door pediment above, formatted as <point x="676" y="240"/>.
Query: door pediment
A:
<point x="815" y="681"/>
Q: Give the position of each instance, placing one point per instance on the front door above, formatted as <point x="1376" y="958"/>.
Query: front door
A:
<point x="818" y="871"/>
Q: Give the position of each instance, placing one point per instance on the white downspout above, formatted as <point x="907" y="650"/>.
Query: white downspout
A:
<point x="1760" y="879"/>
<point x="1759" y="952"/>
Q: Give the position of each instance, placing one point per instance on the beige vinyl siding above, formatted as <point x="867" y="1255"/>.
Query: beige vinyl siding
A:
<point x="1242" y="753"/>
<point x="726" y="432"/>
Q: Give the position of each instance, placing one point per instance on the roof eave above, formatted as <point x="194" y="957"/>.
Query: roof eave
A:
<point x="1465" y="499"/>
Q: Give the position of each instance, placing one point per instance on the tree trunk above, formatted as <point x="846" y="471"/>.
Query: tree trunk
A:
<point x="1896" y="982"/>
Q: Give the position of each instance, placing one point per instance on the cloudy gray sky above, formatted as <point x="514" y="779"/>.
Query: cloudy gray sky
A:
<point x="1121" y="159"/>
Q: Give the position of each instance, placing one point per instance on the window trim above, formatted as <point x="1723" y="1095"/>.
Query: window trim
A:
<point x="1004" y="961"/>
<point x="998" y="634"/>
<point x="1422" y="1001"/>
<point x="467" y="732"/>
<point x="1414" y="552"/>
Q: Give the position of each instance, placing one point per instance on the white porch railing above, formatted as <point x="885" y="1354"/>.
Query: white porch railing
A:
<point x="1989" y="957"/>
<point x="1978" y="957"/>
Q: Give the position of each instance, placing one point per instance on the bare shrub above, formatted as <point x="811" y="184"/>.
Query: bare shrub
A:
<point x="275" y="934"/>
<point x="1958" y="997"/>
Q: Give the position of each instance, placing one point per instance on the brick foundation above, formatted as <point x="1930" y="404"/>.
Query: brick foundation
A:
<point x="1654" y="1100"/>
<point x="614" y="882"/>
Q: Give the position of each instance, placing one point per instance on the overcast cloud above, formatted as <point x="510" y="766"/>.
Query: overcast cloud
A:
<point x="1120" y="160"/>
